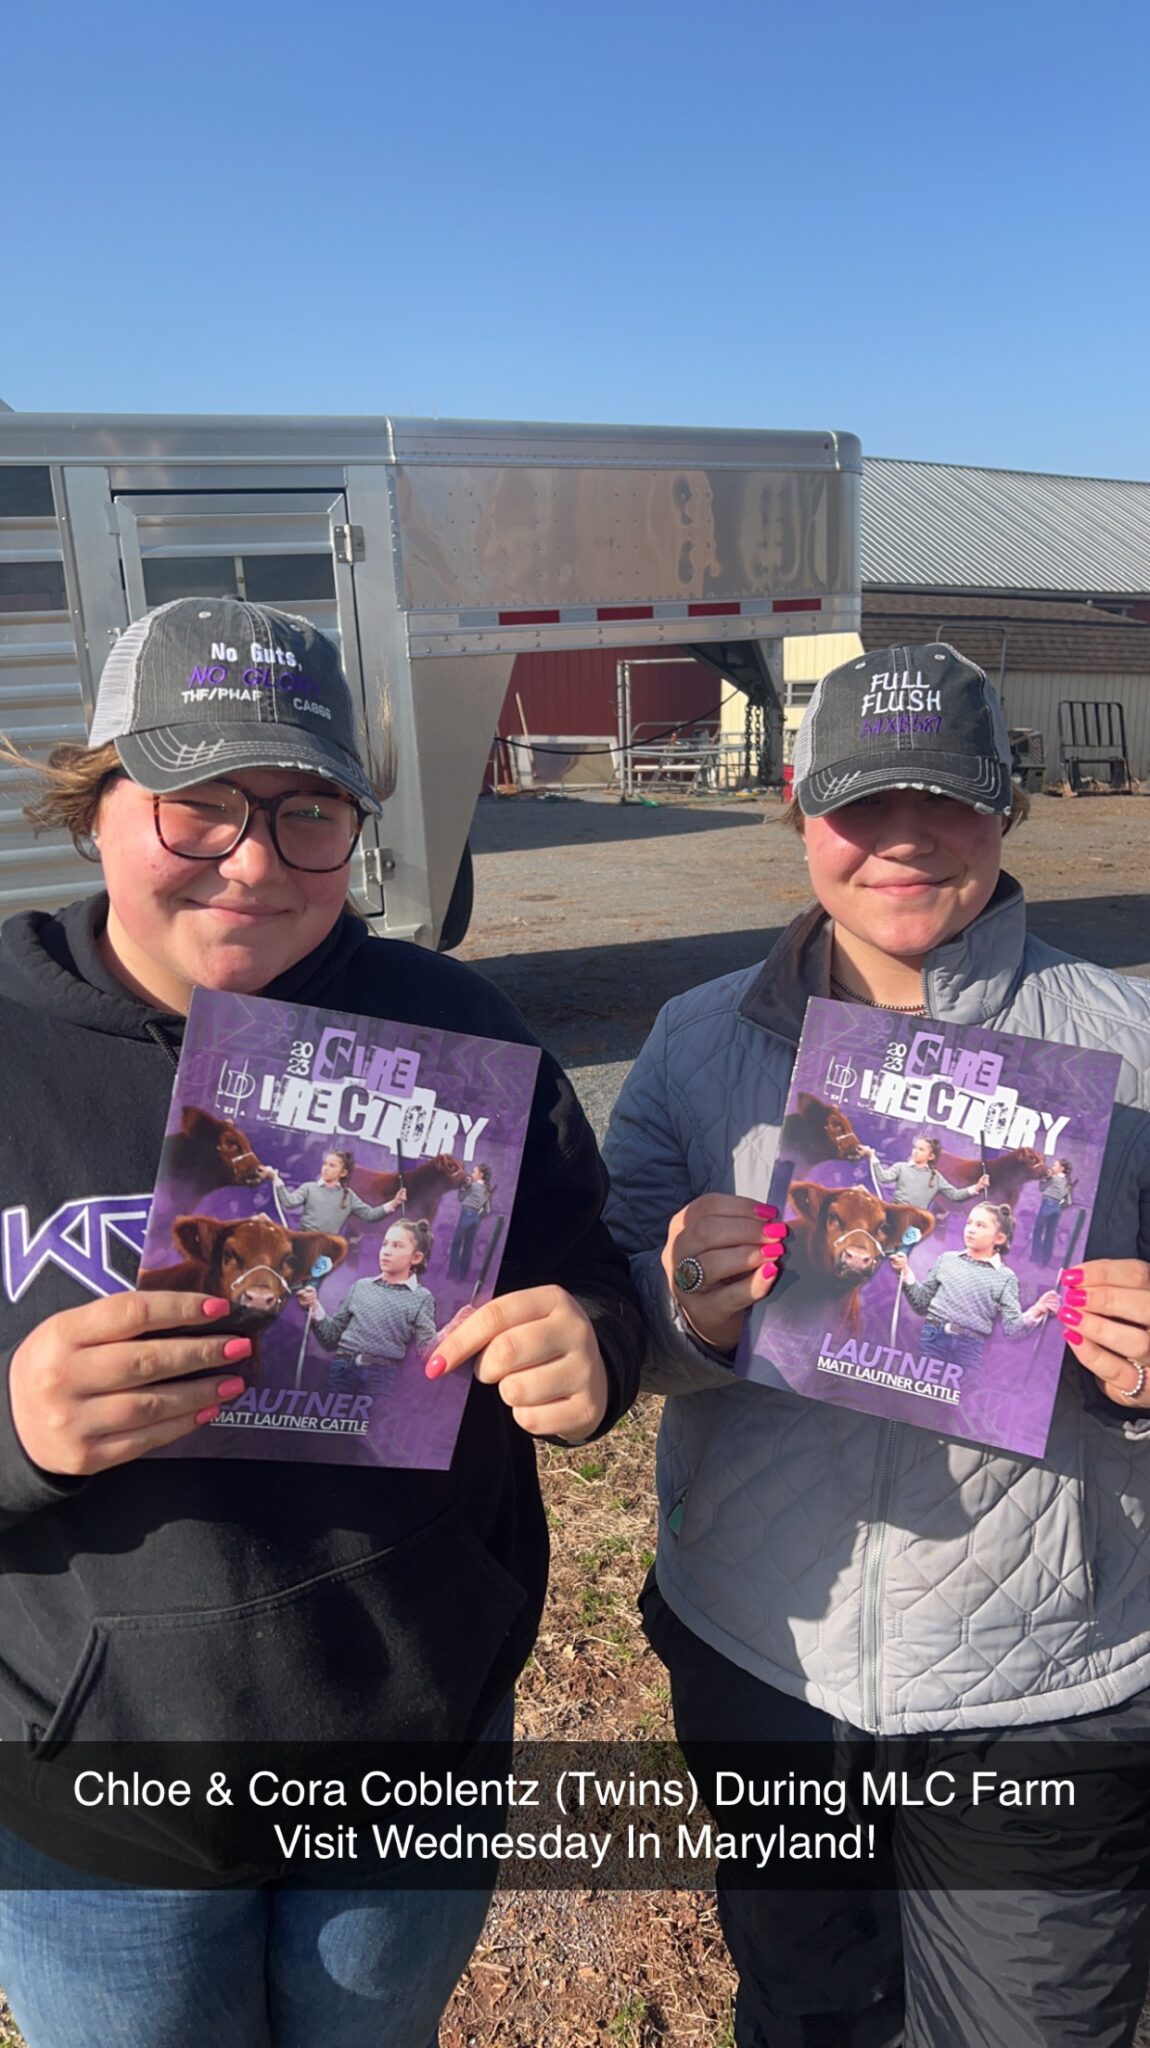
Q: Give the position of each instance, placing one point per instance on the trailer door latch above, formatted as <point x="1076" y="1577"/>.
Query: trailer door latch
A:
<point x="378" y="864"/>
<point x="348" y="542"/>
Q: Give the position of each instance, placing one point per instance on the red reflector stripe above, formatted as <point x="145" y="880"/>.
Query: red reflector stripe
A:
<point x="797" y="604"/>
<point x="625" y="611"/>
<point x="713" y="611"/>
<point x="529" y="618"/>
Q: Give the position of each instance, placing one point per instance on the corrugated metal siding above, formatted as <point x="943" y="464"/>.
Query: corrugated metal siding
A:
<point x="808" y="657"/>
<point x="1032" y="699"/>
<point x="574" y="691"/>
<point x="949" y="528"/>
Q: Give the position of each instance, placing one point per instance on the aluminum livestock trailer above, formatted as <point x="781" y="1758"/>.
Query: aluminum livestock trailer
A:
<point x="434" y="552"/>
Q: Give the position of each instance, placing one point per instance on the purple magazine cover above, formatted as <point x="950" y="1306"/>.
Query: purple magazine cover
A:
<point x="426" y="1131"/>
<point x="936" y="1179"/>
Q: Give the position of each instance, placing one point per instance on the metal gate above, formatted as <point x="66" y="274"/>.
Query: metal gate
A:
<point x="1092" y="747"/>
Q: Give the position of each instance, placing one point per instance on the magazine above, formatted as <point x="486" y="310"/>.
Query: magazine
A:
<point x="936" y="1180"/>
<point x="346" y="1183"/>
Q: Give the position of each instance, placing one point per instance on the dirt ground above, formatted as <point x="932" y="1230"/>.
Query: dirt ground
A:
<point x="590" y="915"/>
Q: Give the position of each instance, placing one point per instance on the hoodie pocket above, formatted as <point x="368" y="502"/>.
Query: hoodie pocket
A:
<point x="393" y="1647"/>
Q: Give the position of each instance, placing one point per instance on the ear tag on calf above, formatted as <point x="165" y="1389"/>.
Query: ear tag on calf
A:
<point x="911" y="1235"/>
<point x="323" y="1266"/>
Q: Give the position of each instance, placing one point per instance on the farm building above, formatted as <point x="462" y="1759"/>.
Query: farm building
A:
<point x="1043" y="580"/>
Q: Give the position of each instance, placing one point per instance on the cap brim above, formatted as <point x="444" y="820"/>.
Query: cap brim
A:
<point x="984" y="785"/>
<point x="161" y="760"/>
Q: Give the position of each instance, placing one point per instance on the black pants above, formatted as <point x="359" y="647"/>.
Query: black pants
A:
<point x="902" y="1967"/>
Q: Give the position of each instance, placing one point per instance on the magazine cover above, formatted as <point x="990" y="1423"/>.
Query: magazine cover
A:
<point x="346" y="1183"/>
<point x="936" y="1180"/>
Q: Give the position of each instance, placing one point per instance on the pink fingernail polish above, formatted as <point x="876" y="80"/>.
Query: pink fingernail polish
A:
<point x="774" y="1232"/>
<point x="1070" y="1316"/>
<point x="769" y="1272"/>
<point x="434" y="1367"/>
<point x="765" y="1209"/>
<point x="1076" y="1297"/>
<point x="1073" y="1341"/>
<point x="237" y="1347"/>
<point x="207" y="1414"/>
<point x="226" y="1388"/>
<point x="1070" y="1275"/>
<point x="216" y="1305"/>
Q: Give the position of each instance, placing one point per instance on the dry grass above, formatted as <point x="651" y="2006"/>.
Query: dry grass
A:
<point x="626" y="1969"/>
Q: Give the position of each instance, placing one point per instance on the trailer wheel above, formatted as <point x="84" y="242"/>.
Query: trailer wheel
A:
<point x="460" y="907"/>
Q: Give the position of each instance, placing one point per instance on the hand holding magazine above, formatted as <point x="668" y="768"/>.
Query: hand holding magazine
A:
<point x="320" y="1173"/>
<point x="936" y="1180"/>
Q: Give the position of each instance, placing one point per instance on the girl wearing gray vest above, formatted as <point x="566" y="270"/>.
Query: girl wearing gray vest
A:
<point x="834" y="1577"/>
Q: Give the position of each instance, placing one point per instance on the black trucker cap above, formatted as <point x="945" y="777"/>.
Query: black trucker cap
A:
<point x="208" y="685"/>
<point x="903" y="718"/>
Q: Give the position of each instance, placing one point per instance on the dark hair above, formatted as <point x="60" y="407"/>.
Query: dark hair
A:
<point x="1005" y="1216"/>
<point x="485" y="1171"/>
<point x="935" y="1144"/>
<point x="419" y="1231"/>
<point x="347" y="1158"/>
<point x="1067" y="1170"/>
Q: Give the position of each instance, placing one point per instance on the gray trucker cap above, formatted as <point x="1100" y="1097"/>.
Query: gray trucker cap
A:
<point x="903" y="718"/>
<point x="208" y="685"/>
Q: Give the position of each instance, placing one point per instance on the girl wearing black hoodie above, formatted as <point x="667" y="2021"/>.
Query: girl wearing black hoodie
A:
<point x="193" y="1601"/>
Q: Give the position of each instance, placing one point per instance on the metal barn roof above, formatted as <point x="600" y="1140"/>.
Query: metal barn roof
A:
<point x="935" y="525"/>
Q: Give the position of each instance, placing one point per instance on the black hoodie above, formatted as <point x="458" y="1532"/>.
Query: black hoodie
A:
<point x="238" y="1600"/>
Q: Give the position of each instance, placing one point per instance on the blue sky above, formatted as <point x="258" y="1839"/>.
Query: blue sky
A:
<point x="924" y="223"/>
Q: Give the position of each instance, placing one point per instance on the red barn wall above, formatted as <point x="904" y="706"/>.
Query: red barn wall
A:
<point x="574" y="691"/>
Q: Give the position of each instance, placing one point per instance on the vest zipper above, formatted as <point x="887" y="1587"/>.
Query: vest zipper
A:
<point x="874" y="1565"/>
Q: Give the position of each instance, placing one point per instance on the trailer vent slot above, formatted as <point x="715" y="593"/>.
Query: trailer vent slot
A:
<point x="26" y="491"/>
<point x="288" y="579"/>
<point x="167" y="577"/>
<point x="32" y="587"/>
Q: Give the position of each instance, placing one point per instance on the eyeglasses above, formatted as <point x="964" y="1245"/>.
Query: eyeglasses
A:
<point x="310" y="829"/>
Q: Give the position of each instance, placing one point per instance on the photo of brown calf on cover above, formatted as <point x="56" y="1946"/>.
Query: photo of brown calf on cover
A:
<point x="838" y="1239"/>
<point x="1008" y="1174"/>
<point x="426" y="1184"/>
<point x="253" y="1263"/>
<point x="208" y="1152"/>
<point x="815" y="1131"/>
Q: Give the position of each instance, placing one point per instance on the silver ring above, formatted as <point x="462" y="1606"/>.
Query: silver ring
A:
<point x="1132" y="1393"/>
<point x="689" y="1276"/>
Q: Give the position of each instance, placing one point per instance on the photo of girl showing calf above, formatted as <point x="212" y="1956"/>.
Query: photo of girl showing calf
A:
<point x="967" y="1294"/>
<point x="379" y="1320"/>
<point x="918" y="1179"/>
